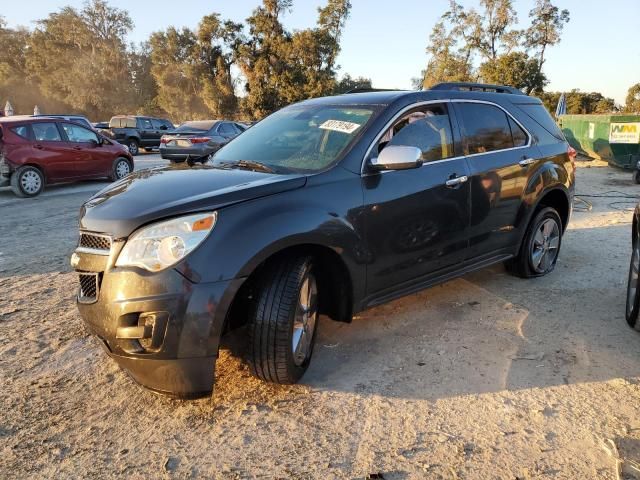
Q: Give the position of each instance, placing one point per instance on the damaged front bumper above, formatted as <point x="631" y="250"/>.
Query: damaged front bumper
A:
<point x="161" y="328"/>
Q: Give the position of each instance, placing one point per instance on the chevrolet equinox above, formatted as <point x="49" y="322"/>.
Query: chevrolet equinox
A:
<point x="328" y="206"/>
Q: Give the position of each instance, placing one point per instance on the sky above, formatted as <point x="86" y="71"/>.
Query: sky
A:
<point x="386" y="40"/>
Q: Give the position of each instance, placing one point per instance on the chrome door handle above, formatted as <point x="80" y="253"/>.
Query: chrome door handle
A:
<point x="526" y="162"/>
<point x="452" y="182"/>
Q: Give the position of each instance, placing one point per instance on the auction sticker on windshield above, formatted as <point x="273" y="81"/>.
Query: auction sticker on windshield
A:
<point x="340" y="126"/>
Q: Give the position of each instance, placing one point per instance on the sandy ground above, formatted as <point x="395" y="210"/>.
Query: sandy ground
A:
<point x="487" y="376"/>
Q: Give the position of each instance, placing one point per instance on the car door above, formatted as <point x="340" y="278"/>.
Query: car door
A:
<point x="148" y="137"/>
<point x="416" y="220"/>
<point x="91" y="159"/>
<point x="159" y="129"/>
<point x="501" y="158"/>
<point x="52" y="152"/>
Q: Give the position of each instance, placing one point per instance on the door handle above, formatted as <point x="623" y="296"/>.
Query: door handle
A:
<point x="38" y="146"/>
<point x="452" y="182"/>
<point x="77" y="147"/>
<point x="526" y="162"/>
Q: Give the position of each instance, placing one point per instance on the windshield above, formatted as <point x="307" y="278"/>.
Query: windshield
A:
<point x="202" y="126"/>
<point x="298" y="138"/>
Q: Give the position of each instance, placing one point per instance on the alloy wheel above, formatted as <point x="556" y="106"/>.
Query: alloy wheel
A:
<point x="305" y="321"/>
<point x="545" y="245"/>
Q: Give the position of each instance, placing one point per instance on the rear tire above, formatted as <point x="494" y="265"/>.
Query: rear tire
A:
<point x="132" y="145"/>
<point x="636" y="176"/>
<point x="27" y="182"/>
<point x="148" y="149"/>
<point x="283" y="321"/>
<point x="541" y="246"/>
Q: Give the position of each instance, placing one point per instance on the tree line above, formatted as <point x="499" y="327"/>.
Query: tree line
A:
<point x="78" y="60"/>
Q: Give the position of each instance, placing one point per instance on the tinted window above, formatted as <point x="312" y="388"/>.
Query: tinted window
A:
<point x="240" y="128"/>
<point x="78" y="134"/>
<point x="226" y="129"/>
<point x="146" y="124"/>
<point x="520" y="137"/>
<point x="157" y="124"/>
<point x="46" y="132"/>
<point x="81" y="121"/>
<point x="486" y="128"/>
<point x="200" y="126"/>
<point x="542" y="118"/>
<point x="304" y="138"/>
<point x="427" y="128"/>
<point x="22" y="130"/>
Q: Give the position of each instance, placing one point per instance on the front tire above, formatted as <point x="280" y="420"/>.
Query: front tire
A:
<point x="121" y="168"/>
<point x="27" y="182"/>
<point x="541" y="246"/>
<point x="633" y="292"/>
<point x="283" y="321"/>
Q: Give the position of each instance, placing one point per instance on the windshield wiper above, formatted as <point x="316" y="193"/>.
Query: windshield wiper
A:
<point x="249" y="164"/>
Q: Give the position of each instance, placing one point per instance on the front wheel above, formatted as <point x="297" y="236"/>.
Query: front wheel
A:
<point x="121" y="169"/>
<point x="27" y="182"/>
<point x="283" y="321"/>
<point x="633" y="292"/>
<point x="541" y="246"/>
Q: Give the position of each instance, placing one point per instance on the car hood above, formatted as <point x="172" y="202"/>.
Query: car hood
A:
<point x="157" y="193"/>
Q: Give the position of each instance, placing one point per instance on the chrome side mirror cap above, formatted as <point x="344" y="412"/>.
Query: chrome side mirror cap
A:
<point x="397" y="157"/>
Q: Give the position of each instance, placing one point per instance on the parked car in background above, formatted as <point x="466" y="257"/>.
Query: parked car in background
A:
<point x="633" y="283"/>
<point x="139" y="132"/>
<point x="82" y="120"/>
<point x="38" y="151"/>
<point x="198" y="140"/>
<point x="329" y="206"/>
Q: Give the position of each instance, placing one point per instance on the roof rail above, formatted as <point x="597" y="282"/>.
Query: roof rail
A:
<point x="367" y="89"/>
<point x="476" y="87"/>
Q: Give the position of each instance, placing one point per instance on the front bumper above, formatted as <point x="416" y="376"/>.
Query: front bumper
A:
<point x="182" y="321"/>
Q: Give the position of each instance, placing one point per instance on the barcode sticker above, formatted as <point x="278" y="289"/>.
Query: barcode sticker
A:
<point x="340" y="126"/>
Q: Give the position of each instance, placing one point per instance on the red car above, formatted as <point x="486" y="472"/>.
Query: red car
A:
<point x="39" y="151"/>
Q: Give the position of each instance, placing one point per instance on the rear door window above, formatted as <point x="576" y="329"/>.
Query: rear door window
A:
<point x="485" y="128"/>
<point x="46" y="132"/>
<point x="427" y="128"/>
<point x="145" y="124"/>
<point x="520" y="137"/>
<point x="78" y="134"/>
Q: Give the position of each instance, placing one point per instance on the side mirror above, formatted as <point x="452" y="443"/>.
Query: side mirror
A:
<point x="95" y="143"/>
<point x="397" y="157"/>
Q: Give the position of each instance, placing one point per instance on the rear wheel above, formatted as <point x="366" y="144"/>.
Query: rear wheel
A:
<point x="633" y="292"/>
<point x="636" y="176"/>
<point x="148" y="149"/>
<point x="283" y="321"/>
<point x="541" y="246"/>
<point x="132" y="145"/>
<point x="121" y="168"/>
<point x="27" y="182"/>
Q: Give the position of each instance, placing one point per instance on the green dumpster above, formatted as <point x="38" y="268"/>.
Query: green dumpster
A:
<point x="613" y="138"/>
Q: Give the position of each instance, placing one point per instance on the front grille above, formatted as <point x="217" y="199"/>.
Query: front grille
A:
<point x="88" y="287"/>
<point x="94" y="241"/>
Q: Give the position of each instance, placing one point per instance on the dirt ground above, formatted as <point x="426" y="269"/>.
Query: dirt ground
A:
<point x="487" y="376"/>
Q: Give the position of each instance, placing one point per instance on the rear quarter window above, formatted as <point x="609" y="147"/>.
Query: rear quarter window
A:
<point x="22" y="131"/>
<point x="541" y="116"/>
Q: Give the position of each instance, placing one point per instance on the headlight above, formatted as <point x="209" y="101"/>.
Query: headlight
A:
<point x="163" y="244"/>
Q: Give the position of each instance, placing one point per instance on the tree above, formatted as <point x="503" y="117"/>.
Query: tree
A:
<point x="347" y="83"/>
<point x="445" y="64"/>
<point x="579" y="102"/>
<point x="496" y="32"/>
<point x="633" y="99"/>
<point x="80" y="58"/>
<point x="547" y="23"/>
<point x="516" y="69"/>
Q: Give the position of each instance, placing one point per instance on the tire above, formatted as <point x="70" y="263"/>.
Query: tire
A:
<point x="148" y="149"/>
<point x="27" y="182"/>
<point x="541" y="246"/>
<point x="176" y="160"/>
<point x="281" y="332"/>
<point x="633" y="292"/>
<point x="121" y="168"/>
<point x="132" y="145"/>
<point x="636" y="176"/>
